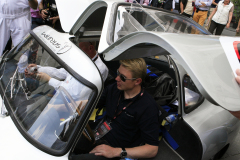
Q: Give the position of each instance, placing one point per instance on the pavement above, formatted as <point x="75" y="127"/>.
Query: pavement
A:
<point x="229" y="32"/>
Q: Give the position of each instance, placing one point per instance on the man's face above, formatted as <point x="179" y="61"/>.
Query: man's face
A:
<point x="128" y="84"/>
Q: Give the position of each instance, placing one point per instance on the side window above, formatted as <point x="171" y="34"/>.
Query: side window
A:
<point x="46" y="100"/>
<point x="193" y="97"/>
<point x="132" y="19"/>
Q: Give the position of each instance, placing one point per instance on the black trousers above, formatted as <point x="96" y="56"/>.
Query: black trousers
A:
<point x="219" y="28"/>
<point x="8" y="45"/>
<point x="91" y="157"/>
<point x="84" y="147"/>
<point x="182" y="24"/>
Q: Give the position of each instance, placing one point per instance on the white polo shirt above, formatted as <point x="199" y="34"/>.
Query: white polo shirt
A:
<point x="221" y="16"/>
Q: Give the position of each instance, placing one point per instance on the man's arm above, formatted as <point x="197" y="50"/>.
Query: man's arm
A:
<point x="213" y="2"/>
<point x="145" y="2"/>
<point x="60" y="74"/>
<point x="181" y="7"/>
<point x="197" y="3"/>
<point x="208" y="3"/>
<point x="33" y="4"/>
<point x="229" y="19"/>
<point x="54" y="19"/>
<point x="237" y="29"/>
<point x="212" y="14"/>
<point x="42" y="11"/>
<point x="40" y="6"/>
<point x="145" y="151"/>
<point x="235" y="114"/>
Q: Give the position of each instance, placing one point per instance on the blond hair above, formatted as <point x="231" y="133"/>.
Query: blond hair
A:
<point x="137" y="66"/>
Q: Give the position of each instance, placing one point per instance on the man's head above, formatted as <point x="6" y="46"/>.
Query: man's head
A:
<point x="131" y="73"/>
<point x="88" y="48"/>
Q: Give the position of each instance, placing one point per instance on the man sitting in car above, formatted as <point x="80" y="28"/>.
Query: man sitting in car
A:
<point x="130" y="127"/>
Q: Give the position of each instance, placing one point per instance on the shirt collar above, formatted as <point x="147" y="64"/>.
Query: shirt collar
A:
<point x="95" y="57"/>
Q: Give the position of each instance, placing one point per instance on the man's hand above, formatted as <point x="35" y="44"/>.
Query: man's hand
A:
<point x="43" y="77"/>
<point x="30" y="74"/>
<point x="209" y="20"/>
<point x="238" y="76"/>
<point x="228" y="25"/>
<point x="203" y="4"/>
<point x="43" y="14"/>
<point x="54" y="19"/>
<point x="237" y="29"/>
<point x="106" y="151"/>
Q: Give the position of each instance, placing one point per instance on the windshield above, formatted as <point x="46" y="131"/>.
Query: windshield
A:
<point x="45" y="98"/>
<point x="134" y="18"/>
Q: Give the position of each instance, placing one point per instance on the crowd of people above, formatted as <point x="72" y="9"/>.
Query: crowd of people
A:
<point x="17" y="18"/>
<point x="128" y="88"/>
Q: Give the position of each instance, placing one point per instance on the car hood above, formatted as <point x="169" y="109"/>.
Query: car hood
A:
<point x="203" y="57"/>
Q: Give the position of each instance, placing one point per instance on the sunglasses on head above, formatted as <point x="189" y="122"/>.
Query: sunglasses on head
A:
<point x="123" y="78"/>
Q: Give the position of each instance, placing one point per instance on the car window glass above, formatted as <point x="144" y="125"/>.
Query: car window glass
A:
<point x="46" y="109"/>
<point x="193" y="97"/>
<point x="135" y="18"/>
<point x="177" y="24"/>
<point x="132" y="19"/>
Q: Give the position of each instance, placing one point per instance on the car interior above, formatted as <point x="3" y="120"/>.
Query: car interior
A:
<point x="187" y="144"/>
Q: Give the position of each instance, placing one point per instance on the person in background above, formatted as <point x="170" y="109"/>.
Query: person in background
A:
<point x="36" y="18"/>
<point x="175" y="6"/>
<point x="201" y="12"/>
<point x="15" y="20"/>
<point x="156" y="3"/>
<point x="221" y="17"/>
<point x="131" y="117"/>
<point x="186" y="7"/>
<point x="213" y="6"/>
<point x="168" y="5"/>
<point x="49" y="8"/>
<point x="142" y="2"/>
<point x="60" y="77"/>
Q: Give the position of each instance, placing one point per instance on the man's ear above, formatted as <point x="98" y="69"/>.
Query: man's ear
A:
<point x="91" y="47"/>
<point x="138" y="81"/>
